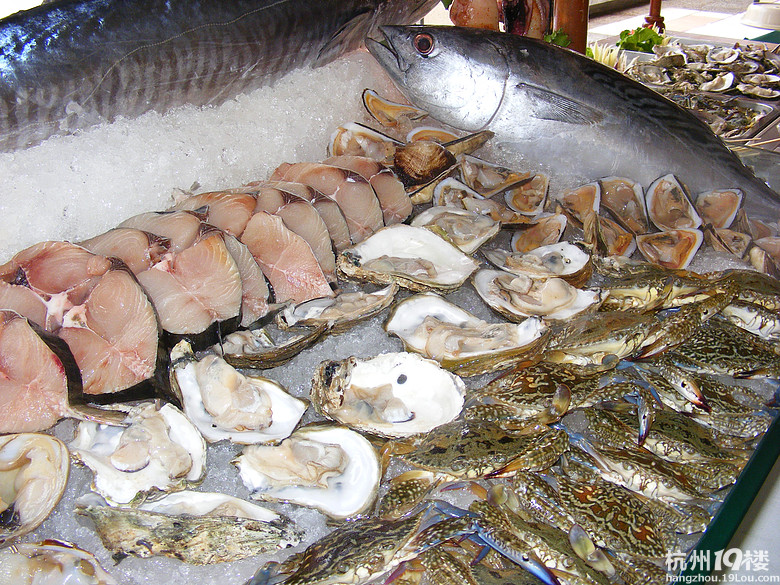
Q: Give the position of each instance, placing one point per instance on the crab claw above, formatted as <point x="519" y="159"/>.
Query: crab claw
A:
<point x="504" y="542"/>
<point x="587" y="551"/>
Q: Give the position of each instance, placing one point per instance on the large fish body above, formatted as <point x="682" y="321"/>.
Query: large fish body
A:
<point x="70" y="64"/>
<point x="561" y="110"/>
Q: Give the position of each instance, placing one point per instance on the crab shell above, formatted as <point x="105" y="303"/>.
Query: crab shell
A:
<point x="435" y="328"/>
<point x="390" y="395"/>
<point x="414" y="257"/>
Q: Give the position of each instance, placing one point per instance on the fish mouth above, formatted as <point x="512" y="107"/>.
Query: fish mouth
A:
<point x="384" y="51"/>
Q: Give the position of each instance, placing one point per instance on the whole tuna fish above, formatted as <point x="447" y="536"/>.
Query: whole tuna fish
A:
<point x="561" y="110"/>
<point x="69" y="64"/>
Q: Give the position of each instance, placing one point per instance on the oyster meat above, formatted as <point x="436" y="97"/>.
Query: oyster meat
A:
<point x="225" y="404"/>
<point x="391" y="395"/>
<point x="33" y="473"/>
<point x="432" y="326"/>
<point x="340" y="312"/>
<point x="333" y="469"/>
<point x="52" y="562"/>
<point x="518" y="296"/>
<point x="564" y="260"/>
<point x="159" y="450"/>
<point x="466" y="229"/>
<point x="414" y="257"/>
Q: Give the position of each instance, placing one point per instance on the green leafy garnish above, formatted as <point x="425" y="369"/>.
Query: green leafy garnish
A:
<point x="558" y="37"/>
<point x="446" y="3"/>
<point x="641" y="39"/>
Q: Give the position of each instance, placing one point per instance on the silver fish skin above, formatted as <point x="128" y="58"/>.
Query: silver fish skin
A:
<point x="69" y="64"/>
<point x="561" y="110"/>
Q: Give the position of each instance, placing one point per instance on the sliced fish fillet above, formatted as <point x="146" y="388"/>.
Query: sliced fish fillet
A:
<point x="355" y="196"/>
<point x="113" y="335"/>
<point x="180" y="227"/>
<point x="301" y="217"/>
<point x="254" y="289"/>
<point x="395" y="202"/>
<point x="227" y="210"/>
<point x="286" y="259"/>
<point x="194" y="288"/>
<point x="138" y="249"/>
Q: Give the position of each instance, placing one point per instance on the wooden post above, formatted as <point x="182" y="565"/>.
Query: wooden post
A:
<point x="655" y="18"/>
<point x="572" y="17"/>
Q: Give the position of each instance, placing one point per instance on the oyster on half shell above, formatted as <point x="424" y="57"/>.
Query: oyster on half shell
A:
<point x="414" y="257"/>
<point x="53" y="562"/>
<point x="33" y="473"/>
<point x="432" y="326"/>
<point x="518" y="296"/>
<point x="331" y="468"/>
<point x="564" y="260"/>
<point x="466" y="229"/>
<point x="337" y="313"/>
<point x="390" y="395"/>
<point x="225" y="404"/>
<point x="159" y="450"/>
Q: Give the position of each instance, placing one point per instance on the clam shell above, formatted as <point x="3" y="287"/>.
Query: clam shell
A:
<point x="625" y="201"/>
<point x="669" y="206"/>
<point x="671" y="249"/>
<point x="719" y="207"/>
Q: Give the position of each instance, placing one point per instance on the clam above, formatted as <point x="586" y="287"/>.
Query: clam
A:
<point x="390" y="395"/>
<point x="525" y="193"/>
<point x="668" y="205"/>
<point x="52" y="562"/>
<point x="337" y="313"/>
<point x="194" y="527"/>
<point x="527" y="196"/>
<point x="672" y="248"/>
<point x="625" y="200"/>
<point x="159" y="450"/>
<point x="359" y="140"/>
<point x="435" y="328"/>
<point x="581" y="202"/>
<point x="414" y="257"/>
<point x="543" y="230"/>
<point x="518" y="296"/>
<point x="33" y="473"/>
<point x="387" y="112"/>
<point x="333" y="469"/>
<point x="612" y="238"/>
<point x="468" y="230"/>
<point x="564" y="260"/>
<point x="719" y="207"/>
<point x="726" y="240"/>
<point x="421" y="161"/>
<point x="225" y="404"/>
<point x="430" y="133"/>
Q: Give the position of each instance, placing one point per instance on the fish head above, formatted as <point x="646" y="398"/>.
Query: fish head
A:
<point x="457" y="77"/>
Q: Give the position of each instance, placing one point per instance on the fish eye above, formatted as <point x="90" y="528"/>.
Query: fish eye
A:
<point x="423" y="42"/>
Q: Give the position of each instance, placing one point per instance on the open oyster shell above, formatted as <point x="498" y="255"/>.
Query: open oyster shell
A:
<point x="333" y="469"/>
<point x="414" y="257"/>
<point x="256" y="348"/>
<point x="225" y="404"/>
<point x="466" y="229"/>
<point x="391" y="395"/>
<point x="52" y="562"/>
<point x="159" y="450"/>
<point x="432" y="326"/>
<point x="337" y="313"/>
<point x="517" y="297"/>
<point x="195" y="527"/>
<point x="563" y="260"/>
<point x="34" y="470"/>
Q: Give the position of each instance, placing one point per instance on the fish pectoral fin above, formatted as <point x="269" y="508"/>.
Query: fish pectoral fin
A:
<point x="547" y="105"/>
<point x="348" y="37"/>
